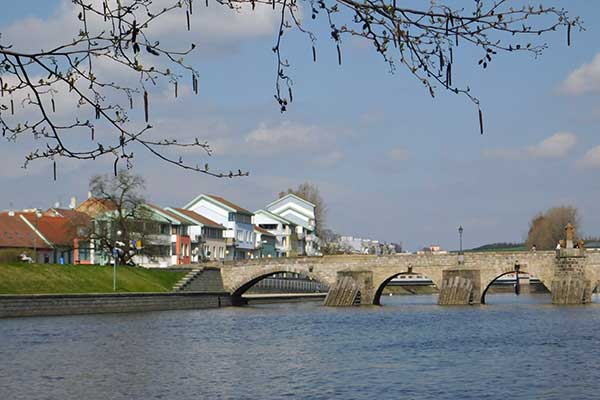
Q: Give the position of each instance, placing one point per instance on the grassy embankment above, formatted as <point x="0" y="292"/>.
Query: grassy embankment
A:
<point x="37" y="279"/>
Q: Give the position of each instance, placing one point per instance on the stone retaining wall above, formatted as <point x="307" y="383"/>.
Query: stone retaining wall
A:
<point x="71" y="304"/>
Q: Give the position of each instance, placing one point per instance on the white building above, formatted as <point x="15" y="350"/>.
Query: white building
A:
<point x="302" y="214"/>
<point x="206" y="236"/>
<point x="286" y="242"/>
<point x="239" y="233"/>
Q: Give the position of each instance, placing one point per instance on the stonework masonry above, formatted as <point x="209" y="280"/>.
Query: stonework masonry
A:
<point x="44" y="305"/>
<point x="476" y="272"/>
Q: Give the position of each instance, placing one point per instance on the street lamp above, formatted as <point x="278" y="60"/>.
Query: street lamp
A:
<point x="461" y="256"/>
<point x="115" y="256"/>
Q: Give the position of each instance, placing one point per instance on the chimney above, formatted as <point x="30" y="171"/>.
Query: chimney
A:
<point x="89" y="195"/>
<point x="57" y="204"/>
<point x="11" y="213"/>
<point x="73" y="203"/>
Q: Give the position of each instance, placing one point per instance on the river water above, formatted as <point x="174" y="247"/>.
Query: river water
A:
<point x="512" y="348"/>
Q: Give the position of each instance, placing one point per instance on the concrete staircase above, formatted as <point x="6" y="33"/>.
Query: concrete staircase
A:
<point x="183" y="282"/>
<point x="344" y="293"/>
<point x="205" y="280"/>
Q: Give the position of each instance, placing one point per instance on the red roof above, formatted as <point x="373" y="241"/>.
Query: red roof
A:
<point x="59" y="230"/>
<point x="62" y="212"/>
<point x="200" y="218"/>
<point x="94" y="206"/>
<point x="14" y="232"/>
<point x="230" y="204"/>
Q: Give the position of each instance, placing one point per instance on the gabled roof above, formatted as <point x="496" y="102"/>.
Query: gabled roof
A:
<point x="232" y="207"/>
<point x="58" y="230"/>
<point x="62" y="212"/>
<point x="16" y="232"/>
<point x="94" y="206"/>
<point x="275" y="217"/>
<point x="195" y="217"/>
<point x="263" y="231"/>
<point x="175" y="219"/>
<point x="291" y="195"/>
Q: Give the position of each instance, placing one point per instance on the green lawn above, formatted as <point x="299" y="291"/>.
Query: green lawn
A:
<point x="47" y="278"/>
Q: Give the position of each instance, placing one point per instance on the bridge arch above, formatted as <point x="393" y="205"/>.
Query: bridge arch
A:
<point x="531" y="270"/>
<point x="242" y="287"/>
<point x="382" y="283"/>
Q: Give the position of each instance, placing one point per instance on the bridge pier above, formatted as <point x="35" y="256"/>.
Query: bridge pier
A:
<point x="570" y="284"/>
<point x="352" y="288"/>
<point x="460" y="287"/>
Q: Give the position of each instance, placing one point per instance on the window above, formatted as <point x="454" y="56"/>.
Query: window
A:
<point x="212" y="233"/>
<point x="173" y="230"/>
<point x="84" y="251"/>
<point x="173" y="248"/>
<point x="164" y="229"/>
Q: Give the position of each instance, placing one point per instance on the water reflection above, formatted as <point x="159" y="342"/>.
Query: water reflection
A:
<point x="518" y="347"/>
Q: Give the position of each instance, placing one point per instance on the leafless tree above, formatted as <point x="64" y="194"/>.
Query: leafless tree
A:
<point x="423" y="40"/>
<point x="547" y="229"/>
<point x="128" y="215"/>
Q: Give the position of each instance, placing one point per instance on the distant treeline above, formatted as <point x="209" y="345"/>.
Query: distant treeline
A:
<point x="499" y="247"/>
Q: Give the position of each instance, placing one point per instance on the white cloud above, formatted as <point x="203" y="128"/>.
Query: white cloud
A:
<point x="398" y="154"/>
<point x="212" y="27"/>
<point x="285" y="137"/>
<point x="558" y="145"/>
<point x="591" y="159"/>
<point x="585" y="79"/>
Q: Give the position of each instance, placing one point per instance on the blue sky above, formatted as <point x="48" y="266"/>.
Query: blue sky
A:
<point x="392" y="163"/>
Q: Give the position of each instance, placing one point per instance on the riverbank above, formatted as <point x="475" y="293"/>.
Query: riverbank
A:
<point x="77" y="304"/>
<point x="68" y="279"/>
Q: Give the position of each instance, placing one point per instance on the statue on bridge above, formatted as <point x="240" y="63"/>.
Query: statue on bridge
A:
<point x="570" y="236"/>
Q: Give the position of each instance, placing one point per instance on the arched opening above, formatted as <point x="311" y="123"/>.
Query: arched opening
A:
<point x="280" y="286"/>
<point x="505" y="285"/>
<point x="404" y="284"/>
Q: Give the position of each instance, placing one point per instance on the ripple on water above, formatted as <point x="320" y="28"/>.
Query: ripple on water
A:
<point x="520" y="348"/>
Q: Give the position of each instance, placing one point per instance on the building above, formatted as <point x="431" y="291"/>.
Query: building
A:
<point x="239" y="234"/>
<point x="286" y="240"/>
<point x="157" y="237"/>
<point x="206" y="235"/>
<point x="48" y="237"/>
<point x="265" y="243"/>
<point x="179" y="238"/>
<point x="302" y="214"/>
<point x="93" y="206"/>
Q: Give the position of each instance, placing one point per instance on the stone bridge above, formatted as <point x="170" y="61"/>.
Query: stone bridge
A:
<point x="570" y="274"/>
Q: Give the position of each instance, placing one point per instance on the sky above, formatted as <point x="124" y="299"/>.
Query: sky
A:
<point x="391" y="162"/>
